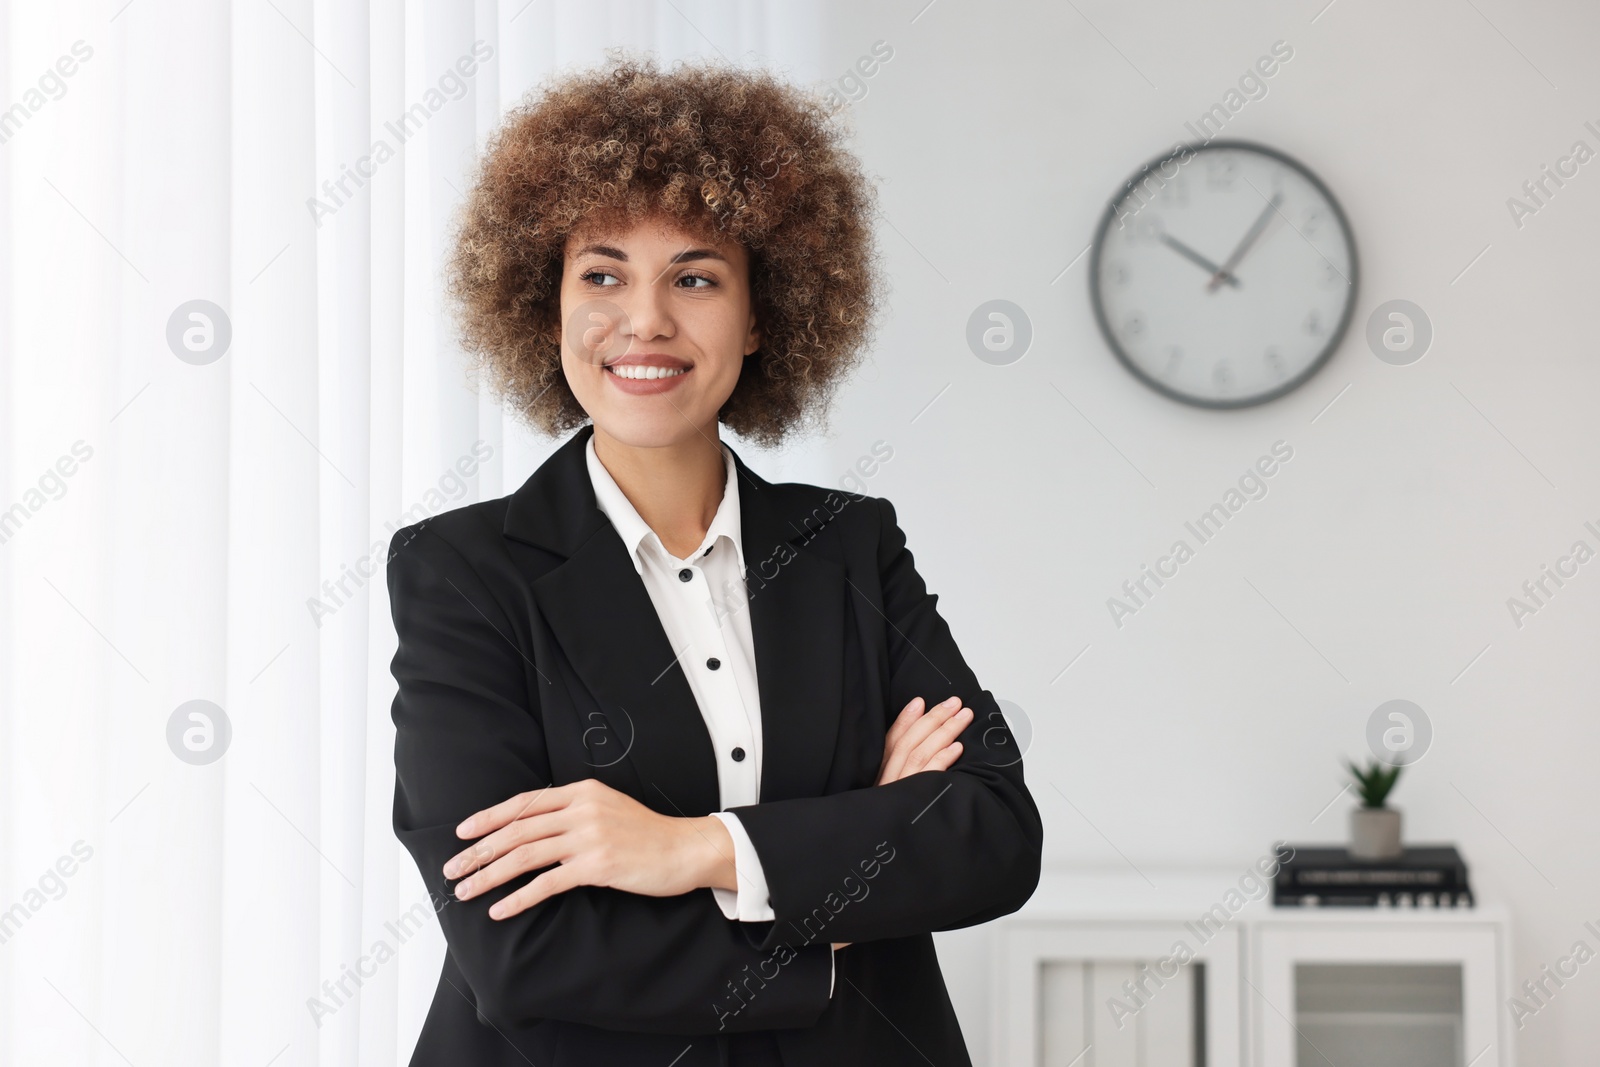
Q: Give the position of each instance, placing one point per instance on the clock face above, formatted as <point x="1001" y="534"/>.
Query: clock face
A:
<point x="1224" y="275"/>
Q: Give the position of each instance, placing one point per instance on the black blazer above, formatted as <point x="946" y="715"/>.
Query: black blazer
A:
<point x="530" y="654"/>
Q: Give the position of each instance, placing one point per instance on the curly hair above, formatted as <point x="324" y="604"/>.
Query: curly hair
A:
<point x="722" y="152"/>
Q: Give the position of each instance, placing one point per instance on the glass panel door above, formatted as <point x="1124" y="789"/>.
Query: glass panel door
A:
<point x="1378" y="1015"/>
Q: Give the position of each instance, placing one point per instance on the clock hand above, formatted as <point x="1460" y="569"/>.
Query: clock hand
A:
<point x="1248" y="240"/>
<point x="1195" y="257"/>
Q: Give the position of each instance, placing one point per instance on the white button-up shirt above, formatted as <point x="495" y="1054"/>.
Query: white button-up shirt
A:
<point x="703" y="606"/>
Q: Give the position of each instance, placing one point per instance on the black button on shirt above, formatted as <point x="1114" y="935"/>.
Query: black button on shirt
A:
<point x="685" y="574"/>
<point x="713" y="663"/>
<point x="738" y="755"/>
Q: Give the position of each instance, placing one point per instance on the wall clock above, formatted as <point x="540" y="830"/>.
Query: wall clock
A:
<point x="1223" y="274"/>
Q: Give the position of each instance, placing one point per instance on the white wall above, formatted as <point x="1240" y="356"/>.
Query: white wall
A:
<point x="1207" y="726"/>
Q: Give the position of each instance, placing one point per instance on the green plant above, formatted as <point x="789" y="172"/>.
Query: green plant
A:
<point x="1375" y="782"/>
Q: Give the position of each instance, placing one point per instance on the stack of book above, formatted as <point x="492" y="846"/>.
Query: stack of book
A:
<point x="1424" y="876"/>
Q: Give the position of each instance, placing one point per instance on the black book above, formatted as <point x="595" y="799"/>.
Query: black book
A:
<point x="1429" y="874"/>
<point x="1376" y="899"/>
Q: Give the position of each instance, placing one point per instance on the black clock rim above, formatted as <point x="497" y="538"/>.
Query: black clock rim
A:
<point x="1323" y="357"/>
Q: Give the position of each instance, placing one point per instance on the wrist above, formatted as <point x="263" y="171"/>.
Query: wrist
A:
<point x="711" y="853"/>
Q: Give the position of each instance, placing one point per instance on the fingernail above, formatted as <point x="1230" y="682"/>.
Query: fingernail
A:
<point x="451" y="868"/>
<point x="952" y="700"/>
<point x="498" y="911"/>
<point x="465" y="829"/>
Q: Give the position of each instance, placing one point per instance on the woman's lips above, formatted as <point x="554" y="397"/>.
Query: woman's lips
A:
<point x="647" y="386"/>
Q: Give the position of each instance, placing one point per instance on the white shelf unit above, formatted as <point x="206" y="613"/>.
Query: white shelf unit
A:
<point x="1277" y="987"/>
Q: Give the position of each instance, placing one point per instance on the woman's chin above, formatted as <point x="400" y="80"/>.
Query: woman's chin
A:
<point x="647" y="422"/>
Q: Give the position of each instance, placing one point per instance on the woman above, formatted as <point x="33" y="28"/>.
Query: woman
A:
<point x="644" y="755"/>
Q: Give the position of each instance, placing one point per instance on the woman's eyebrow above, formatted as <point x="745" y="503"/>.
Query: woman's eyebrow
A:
<point x="698" y="253"/>
<point x="622" y="257"/>
<point x="602" y="250"/>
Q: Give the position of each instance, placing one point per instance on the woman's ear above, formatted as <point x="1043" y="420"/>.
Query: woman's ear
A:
<point x="752" y="341"/>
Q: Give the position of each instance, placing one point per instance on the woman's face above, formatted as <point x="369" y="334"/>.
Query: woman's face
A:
<point x="655" y="326"/>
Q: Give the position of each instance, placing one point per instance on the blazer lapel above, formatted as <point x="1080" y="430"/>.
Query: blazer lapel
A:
<point x="796" y="596"/>
<point x="602" y="616"/>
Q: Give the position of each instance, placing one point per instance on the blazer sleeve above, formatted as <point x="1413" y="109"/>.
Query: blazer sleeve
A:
<point x="468" y="735"/>
<point x="938" y="850"/>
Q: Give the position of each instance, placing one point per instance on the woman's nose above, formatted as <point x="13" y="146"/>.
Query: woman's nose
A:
<point x="648" y="314"/>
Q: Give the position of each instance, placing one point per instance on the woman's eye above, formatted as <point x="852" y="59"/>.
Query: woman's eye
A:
<point x="709" y="283"/>
<point x="590" y="277"/>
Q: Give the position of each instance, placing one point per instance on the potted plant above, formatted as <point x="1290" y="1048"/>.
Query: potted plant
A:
<point x="1374" y="826"/>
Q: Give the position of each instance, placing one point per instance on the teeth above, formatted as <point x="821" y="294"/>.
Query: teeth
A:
<point x="638" y="372"/>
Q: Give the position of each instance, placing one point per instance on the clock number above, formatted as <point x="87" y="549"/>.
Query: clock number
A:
<point x="1331" y="278"/>
<point x="1314" y="325"/>
<point x="1222" y="374"/>
<point x="1274" y="360"/>
<point x="1312" y="222"/>
<point x="1174" y="357"/>
<point x="1117" y="274"/>
<point x="1133" y="325"/>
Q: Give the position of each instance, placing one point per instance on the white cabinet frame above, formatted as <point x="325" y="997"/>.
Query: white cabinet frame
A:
<point x="1278" y="943"/>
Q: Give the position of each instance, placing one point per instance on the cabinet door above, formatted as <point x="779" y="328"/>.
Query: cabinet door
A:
<point x="1378" y="994"/>
<point x="1113" y="994"/>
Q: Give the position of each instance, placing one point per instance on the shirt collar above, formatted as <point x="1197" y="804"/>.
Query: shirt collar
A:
<point x="636" y="533"/>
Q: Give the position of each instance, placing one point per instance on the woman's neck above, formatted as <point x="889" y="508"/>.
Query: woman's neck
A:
<point x="676" y="488"/>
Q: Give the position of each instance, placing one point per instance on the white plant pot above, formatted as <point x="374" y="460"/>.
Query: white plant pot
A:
<point x="1375" y="833"/>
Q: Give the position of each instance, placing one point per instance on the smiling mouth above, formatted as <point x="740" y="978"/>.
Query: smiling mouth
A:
<point x="634" y="372"/>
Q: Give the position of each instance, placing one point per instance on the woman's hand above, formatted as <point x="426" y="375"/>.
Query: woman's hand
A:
<point x="923" y="742"/>
<point x="594" y="834"/>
